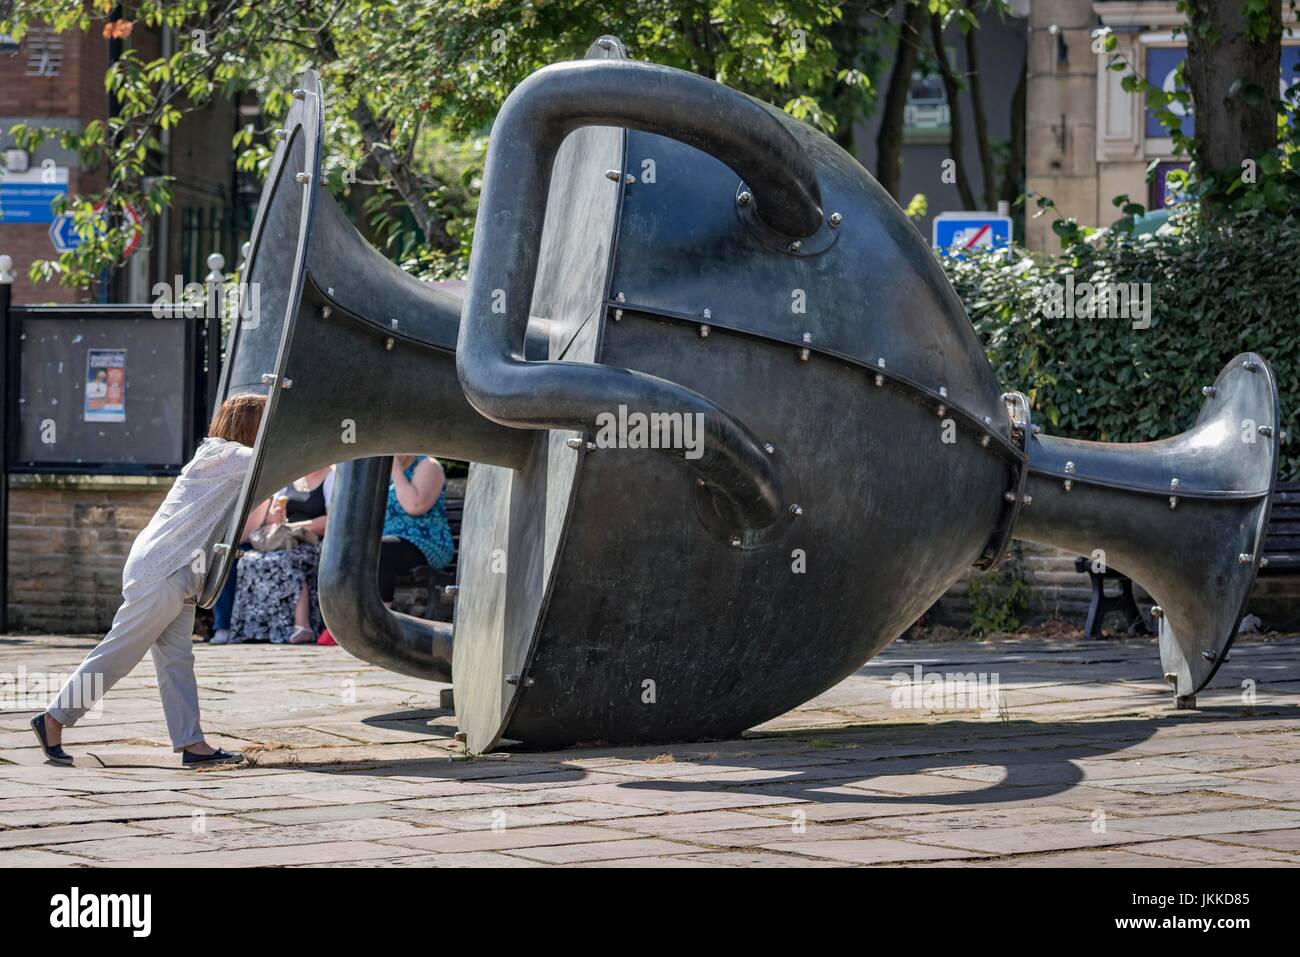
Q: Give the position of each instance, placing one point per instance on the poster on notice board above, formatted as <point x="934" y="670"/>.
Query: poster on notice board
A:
<point x="105" y="399"/>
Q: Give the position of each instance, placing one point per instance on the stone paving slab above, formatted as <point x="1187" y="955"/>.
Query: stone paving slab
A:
<point x="1081" y="763"/>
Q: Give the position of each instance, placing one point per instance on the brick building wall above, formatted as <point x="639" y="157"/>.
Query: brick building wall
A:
<point x="68" y="92"/>
<point x="68" y="540"/>
<point x="71" y="97"/>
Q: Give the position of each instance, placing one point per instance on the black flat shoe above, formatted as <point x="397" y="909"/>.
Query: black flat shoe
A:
<point x="218" y="756"/>
<point x="54" y="753"/>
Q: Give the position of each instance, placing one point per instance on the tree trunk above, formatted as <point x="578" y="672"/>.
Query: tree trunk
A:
<point x="1233" y="81"/>
<point x="889" y="141"/>
<point x="981" y="117"/>
<point x="1011" y="181"/>
<point x="952" y="91"/>
<point x="405" y="181"/>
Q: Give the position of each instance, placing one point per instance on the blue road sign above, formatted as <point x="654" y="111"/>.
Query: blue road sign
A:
<point x="28" y="202"/>
<point x="27" y="197"/>
<point x="978" y="232"/>
<point x="63" y="234"/>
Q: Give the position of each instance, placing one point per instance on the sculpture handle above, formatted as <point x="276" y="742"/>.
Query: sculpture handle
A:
<point x="532" y="124"/>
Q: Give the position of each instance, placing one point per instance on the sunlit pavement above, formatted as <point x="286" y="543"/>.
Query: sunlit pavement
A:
<point x="1074" y="757"/>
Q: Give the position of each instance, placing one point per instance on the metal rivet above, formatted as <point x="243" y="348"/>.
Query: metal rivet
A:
<point x="708" y="313"/>
<point x="744" y="198"/>
<point x="941" y="410"/>
<point x="514" y="679"/>
<point x="807" y="337"/>
<point x="1209" y="391"/>
<point x="1263" y="561"/>
<point x="618" y="315"/>
<point x="629" y="179"/>
<point x="735" y="541"/>
<point x="326" y="312"/>
<point x="1171" y="677"/>
<point x="613" y="174"/>
<point x="281" y="134"/>
<point x="880" y="380"/>
<point x="574" y="442"/>
<point x="1250" y="365"/>
<point x="1068" y="484"/>
<point x="605" y="43"/>
<point x="388" y="343"/>
<point x="1069" y="467"/>
<point x="619" y="298"/>
<point x="1157" y="611"/>
<point x="1174" y="483"/>
<point x="303" y="178"/>
<point x="836" y="219"/>
<point x="392" y="324"/>
<point x="1173" y="501"/>
<point x="1266" y="430"/>
<point x="1245" y="558"/>
<point x="796" y="509"/>
<point x="795" y="246"/>
<point x="804" y="354"/>
<point x="1208" y="654"/>
<point x="1027" y="500"/>
<point x="299" y="94"/>
<point x="769" y="448"/>
<point x="880" y="362"/>
<point x="221" y="548"/>
<point x="984" y="439"/>
<point x="704" y="332"/>
<point x="943" y="392"/>
<point x="1009" y="496"/>
<point x="987" y="420"/>
<point x="1037" y="430"/>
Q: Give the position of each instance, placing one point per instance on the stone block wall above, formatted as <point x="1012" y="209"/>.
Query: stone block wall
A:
<point x="68" y="540"/>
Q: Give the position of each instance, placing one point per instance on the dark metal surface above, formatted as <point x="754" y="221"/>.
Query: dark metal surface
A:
<point x="349" y="588"/>
<point x="529" y="129"/>
<point x="368" y="350"/>
<point x="1189" y="557"/>
<point x="859" y="453"/>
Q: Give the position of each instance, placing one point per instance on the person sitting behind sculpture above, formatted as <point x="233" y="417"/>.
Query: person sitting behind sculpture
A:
<point x="416" y="531"/>
<point x="275" y="598"/>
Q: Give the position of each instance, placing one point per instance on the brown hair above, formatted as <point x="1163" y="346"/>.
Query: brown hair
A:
<point x="238" y="418"/>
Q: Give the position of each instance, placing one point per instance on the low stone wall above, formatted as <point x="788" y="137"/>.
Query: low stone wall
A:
<point x="69" y="537"/>
<point x="68" y="540"/>
<point x="1058" y="592"/>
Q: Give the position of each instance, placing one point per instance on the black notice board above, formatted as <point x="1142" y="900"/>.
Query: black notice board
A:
<point x="103" y="393"/>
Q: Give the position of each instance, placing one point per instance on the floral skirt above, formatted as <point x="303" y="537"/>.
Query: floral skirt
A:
<point x="267" y="593"/>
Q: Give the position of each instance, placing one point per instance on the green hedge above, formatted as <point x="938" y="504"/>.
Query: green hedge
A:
<point x="1215" y="292"/>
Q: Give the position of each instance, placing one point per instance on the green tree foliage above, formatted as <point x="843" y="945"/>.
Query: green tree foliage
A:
<point x="412" y="87"/>
<point x="1216" y="290"/>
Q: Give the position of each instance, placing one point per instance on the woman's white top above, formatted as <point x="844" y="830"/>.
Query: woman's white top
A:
<point x="196" y="510"/>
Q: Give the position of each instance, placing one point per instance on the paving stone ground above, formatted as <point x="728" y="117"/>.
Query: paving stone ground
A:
<point x="1077" y="760"/>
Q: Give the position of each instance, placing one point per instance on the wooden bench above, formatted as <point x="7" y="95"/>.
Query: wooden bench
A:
<point x="1281" y="557"/>
<point x="1282" y="538"/>
<point x="436" y="582"/>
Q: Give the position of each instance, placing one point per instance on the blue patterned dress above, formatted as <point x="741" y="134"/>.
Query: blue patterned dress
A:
<point x="429" y="532"/>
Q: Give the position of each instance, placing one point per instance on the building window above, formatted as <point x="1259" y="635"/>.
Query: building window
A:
<point x="44" y="52"/>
